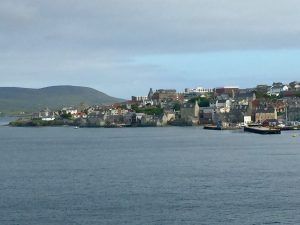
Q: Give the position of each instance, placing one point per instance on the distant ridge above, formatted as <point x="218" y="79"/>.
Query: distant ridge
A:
<point x="15" y="100"/>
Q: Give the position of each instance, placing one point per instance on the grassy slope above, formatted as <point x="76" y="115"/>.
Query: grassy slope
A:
<point x="14" y="100"/>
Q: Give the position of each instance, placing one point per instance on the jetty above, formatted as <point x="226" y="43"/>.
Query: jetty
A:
<point x="262" y="130"/>
<point x="289" y="128"/>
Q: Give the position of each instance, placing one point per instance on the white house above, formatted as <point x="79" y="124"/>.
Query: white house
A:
<point x="70" y="110"/>
<point x="223" y="106"/>
<point x="45" y="115"/>
<point x="277" y="88"/>
<point x="247" y="120"/>
<point x="200" y="90"/>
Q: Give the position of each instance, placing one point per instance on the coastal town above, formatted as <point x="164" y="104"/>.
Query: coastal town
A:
<point x="229" y="107"/>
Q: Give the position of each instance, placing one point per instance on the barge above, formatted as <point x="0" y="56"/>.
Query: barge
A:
<point x="262" y="130"/>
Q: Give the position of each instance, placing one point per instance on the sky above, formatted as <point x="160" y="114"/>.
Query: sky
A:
<point x="124" y="47"/>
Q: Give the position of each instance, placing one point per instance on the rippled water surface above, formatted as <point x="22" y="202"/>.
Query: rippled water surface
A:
<point x="148" y="176"/>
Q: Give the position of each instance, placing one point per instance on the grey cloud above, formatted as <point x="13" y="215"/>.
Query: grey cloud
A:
<point x="12" y="13"/>
<point x="135" y="26"/>
<point x="40" y="40"/>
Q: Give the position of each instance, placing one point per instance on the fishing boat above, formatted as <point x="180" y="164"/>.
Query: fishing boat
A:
<point x="262" y="130"/>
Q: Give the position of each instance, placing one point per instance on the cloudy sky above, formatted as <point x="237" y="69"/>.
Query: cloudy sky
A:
<point x="124" y="47"/>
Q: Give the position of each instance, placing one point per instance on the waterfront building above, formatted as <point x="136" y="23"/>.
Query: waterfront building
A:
<point x="293" y="109"/>
<point x="190" y="112"/>
<point x="45" y="115"/>
<point x="207" y="115"/>
<point x="247" y="120"/>
<point x="265" y="114"/>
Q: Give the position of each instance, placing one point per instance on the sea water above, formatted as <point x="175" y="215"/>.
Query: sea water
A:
<point x="172" y="175"/>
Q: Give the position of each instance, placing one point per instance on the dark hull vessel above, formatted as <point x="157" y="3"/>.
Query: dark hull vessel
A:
<point x="262" y="130"/>
<point x="212" y="127"/>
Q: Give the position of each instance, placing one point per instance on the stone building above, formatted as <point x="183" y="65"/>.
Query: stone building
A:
<point x="226" y="90"/>
<point x="164" y="95"/>
<point x="265" y="114"/>
<point x="190" y="112"/>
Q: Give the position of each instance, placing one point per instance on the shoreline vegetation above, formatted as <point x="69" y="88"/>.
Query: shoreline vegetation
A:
<point x="77" y="123"/>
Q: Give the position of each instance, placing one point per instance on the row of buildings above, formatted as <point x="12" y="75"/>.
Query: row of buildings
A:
<point x="277" y="103"/>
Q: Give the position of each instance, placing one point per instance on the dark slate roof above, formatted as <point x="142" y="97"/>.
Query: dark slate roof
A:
<point x="268" y="110"/>
<point x="188" y="105"/>
<point x="243" y="95"/>
<point x="271" y="120"/>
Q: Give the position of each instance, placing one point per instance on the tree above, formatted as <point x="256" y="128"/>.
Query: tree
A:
<point x="66" y="115"/>
<point x="153" y="110"/>
<point x="203" y="102"/>
<point x="176" y="106"/>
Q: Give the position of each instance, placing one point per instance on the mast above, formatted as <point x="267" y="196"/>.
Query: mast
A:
<point x="286" y="114"/>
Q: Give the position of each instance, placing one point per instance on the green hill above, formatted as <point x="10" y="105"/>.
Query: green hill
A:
<point x="15" y="100"/>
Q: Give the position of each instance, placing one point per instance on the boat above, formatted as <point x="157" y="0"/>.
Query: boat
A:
<point x="262" y="130"/>
<point x="212" y="127"/>
<point x="76" y="127"/>
<point x="218" y="127"/>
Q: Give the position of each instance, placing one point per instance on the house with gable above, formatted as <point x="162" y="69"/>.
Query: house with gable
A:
<point x="45" y="114"/>
<point x="277" y="88"/>
<point x="244" y="97"/>
<point x="190" y="112"/>
<point x="294" y="86"/>
<point x="162" y="96"/>
<point x="223" y="105"/>
<point x="166" y="118"/>
<point x="207" y="115"/>
<point x="263" y="114"/>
